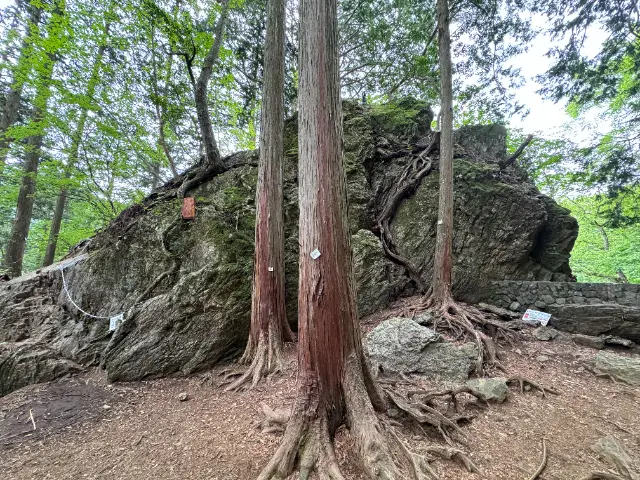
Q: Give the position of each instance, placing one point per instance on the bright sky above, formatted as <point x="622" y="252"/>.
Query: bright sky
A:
<point x="544" y="116"/>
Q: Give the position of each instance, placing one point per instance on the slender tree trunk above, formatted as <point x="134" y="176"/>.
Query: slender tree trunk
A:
<point x="20" y="230"/>
<point x="605" y="237"/>
<point x="334" y="384"/>
<point x="26" y="197"/>
<point x="76" y="140"/>
<point x="212" y="153"/>
<point x="13" y="101"/>
<point x="442" y="269"/>
<point x="268" y="315"/>
<point x="161" y="111"/>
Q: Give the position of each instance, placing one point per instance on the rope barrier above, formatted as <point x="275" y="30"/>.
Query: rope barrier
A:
<point x="66" y="290"/>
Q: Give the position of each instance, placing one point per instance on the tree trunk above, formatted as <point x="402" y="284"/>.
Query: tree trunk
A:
<point x="605" y="237"/>
<point x="442" y="269"/>
<point x="161" y="112"/>
<point x="268" y="315"/>
<point x="334" y="383"/>
<point x="20" y="229"/>
<point x="76" y="140"/>
<point x="26" y="197"/>
<point x="212" y="153"/>
<point x="13" y="99"/>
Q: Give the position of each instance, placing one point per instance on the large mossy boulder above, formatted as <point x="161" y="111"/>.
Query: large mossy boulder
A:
<point x="198" y="313"/>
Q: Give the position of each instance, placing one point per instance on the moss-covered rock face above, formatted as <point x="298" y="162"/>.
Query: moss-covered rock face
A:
<point x="198" y="314"/>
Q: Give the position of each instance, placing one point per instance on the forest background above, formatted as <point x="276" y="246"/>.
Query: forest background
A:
<point x="98" y="106"/>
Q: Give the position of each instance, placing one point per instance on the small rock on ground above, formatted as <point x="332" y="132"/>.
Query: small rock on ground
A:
<point x="588" y="341"/>
<point x="183" y="396"/>
<point x="492" y="389"/>
<point x="626" y="369"/>
<point x="545" y="334"/>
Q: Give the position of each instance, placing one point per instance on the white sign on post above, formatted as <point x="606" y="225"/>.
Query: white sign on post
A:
<point x="535" y="317"/>
<point x="115" y="321"/>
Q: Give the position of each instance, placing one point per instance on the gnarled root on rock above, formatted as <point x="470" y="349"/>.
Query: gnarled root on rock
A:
<point x="462" y="319"/>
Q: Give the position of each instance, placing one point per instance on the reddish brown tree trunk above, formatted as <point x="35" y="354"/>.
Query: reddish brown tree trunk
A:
<point x="334" y="384"/>
<point x="268" y="315"/>
<point x="442" y="269"/>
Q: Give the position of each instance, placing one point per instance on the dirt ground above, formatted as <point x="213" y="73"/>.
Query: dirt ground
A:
<point x="88" y="429"/>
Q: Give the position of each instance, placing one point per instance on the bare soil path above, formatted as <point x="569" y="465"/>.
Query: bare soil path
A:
<point x="87" y="429"/>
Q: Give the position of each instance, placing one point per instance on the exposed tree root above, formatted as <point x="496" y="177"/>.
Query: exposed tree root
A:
<point x="173" y="269"/>
<point x="543" y="464"/>
<point x="274" y="420"/>
<point x="197" y="177"/>
<point x="426" y="415"/>
<point x="263" y="359"/>
<point x="408" y="183"/>
<point x="451" y="393"/>
<point x="523" y="382"/>
<point x="306" y="442"/>
<point x="462" y="320"/>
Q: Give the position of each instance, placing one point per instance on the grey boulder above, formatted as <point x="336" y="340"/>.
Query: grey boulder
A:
<point x="402" y="345"/>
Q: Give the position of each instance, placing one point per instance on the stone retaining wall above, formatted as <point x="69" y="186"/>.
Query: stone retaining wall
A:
<point x="587" y="308"/>
<point x="520" y="295"/>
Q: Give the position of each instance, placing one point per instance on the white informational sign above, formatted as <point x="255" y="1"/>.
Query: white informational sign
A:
<point x="115" y="321"/>
<point x="315" y="254"/>
<point x="533" y="316"/>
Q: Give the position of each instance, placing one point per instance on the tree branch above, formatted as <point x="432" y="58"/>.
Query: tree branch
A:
<point x="510" y="160"/>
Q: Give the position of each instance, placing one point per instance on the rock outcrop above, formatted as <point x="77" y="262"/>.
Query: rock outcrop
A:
<point x="184" y="286"/>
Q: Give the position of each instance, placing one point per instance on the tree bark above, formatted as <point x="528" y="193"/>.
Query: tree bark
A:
<point x="20" y="229"/>
<point x="212" y="153"/>
<point x="442" y="270"/>
<point x="13" y="101"/>
<point x="26" y="197"/>
<point x="334" y="384"/>
<point x="268" y="315"/>
<point x="76" y="140"/>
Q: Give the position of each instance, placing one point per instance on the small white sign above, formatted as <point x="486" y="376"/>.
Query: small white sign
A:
<point x="115" y="321"/>
<point x="270" y="269"/>
<point x="533" y="316"/>
<point x="315" y="254"/>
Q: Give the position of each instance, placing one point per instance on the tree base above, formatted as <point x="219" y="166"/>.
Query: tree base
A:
<point x="307" y="443"/>
<point x="264" y="359"/>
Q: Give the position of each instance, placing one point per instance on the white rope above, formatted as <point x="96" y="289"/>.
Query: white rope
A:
<point x="66" y="290"/>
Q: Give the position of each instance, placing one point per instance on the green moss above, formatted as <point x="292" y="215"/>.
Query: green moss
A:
<point x="406" y="118"/>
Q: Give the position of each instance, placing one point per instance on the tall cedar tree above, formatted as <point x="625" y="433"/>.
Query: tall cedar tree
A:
<point x="334" y="384"/>
<point x="442" y="268"/>
<point x="13" y="100"/>
<point x="461" y="318"/>
<point x="268" y="316"/>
